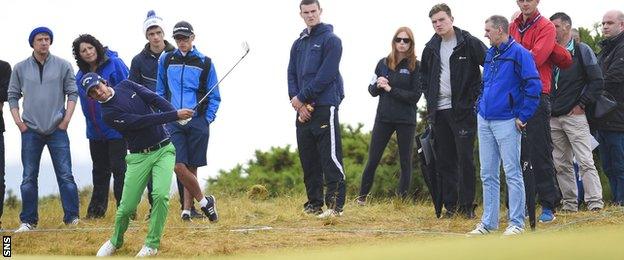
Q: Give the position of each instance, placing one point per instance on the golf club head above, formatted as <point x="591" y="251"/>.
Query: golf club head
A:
<point x="245" y="46"/>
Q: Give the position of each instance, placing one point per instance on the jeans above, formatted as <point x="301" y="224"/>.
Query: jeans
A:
<point x="32" y="147"/>
<point x="612" y="157"/>
<point x="500" y="139"/>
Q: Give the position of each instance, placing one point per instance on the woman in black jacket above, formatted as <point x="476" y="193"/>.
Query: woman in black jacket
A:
<point x="397" y="84"/>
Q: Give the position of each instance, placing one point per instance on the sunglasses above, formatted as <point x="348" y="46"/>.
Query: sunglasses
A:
<point x="404" y="40"/>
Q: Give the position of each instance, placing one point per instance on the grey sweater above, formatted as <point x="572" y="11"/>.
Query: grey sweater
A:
<point x="44" y="91"/>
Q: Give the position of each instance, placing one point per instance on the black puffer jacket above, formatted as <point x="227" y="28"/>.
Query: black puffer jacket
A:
<point x="398" y="105"/>
<point x="611" y="60"/>
<point x="467" y="56"/>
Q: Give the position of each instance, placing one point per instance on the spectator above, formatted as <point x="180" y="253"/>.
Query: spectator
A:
<point x="49" y="81"/>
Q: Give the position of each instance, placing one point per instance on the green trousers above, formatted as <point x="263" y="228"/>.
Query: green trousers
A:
<point x="141" y="166"/>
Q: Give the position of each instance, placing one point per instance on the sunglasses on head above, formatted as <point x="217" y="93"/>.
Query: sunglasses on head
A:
<point x="405" y="40"/>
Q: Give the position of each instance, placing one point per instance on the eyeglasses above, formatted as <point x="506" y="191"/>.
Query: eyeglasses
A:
<point x="404" y="40"/>
<point x="181" y="38"/>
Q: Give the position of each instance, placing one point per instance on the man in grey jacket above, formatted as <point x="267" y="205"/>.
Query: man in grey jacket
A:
<point x="44" y="81"/>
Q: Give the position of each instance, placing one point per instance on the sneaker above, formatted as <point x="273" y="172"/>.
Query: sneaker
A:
<point x="513" y="230"/>
<point x="25" y="227"/>
<point x="73" y="222"/>
<point x="195" y="214"/>
<point x="147" y="251"/>
<point x="107" y="249"/>
<point x="361" y="201"/>
<point x="211" y="209"/>
<point x="547" y="216"/>
<point x="330" y="213"/>
<point x="312" y="210"/>
<point x="186" y="217"/>
<point x="479" y="230"/>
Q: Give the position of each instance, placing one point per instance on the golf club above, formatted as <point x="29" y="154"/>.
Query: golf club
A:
<point x="205" y="97"/>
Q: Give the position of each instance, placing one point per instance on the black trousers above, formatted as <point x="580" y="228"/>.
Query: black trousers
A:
<point x="320" y="153"/>
<point x="379" y="139"/>
<point x="540" y="153"/>
<point x="108" y="158"/>
<point x="454" y="147"/>
<point x="2" y="172"/>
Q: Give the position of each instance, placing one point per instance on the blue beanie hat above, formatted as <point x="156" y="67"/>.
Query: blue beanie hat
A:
<point x="39" y="30"/>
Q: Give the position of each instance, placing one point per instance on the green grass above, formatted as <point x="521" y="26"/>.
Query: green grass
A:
<point x="385" y="229"/>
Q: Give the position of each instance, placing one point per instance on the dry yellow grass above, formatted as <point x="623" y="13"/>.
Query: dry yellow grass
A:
<point x="285" y="228"/>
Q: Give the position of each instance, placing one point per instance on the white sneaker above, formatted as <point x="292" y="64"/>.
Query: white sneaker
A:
<point x="513" y="230"/>
<point x="74" y="222"/>
<point x="479" y="230"/>
<point x="330" y="213"/>
<point x="25" y="227"/>
<point x="107" y="249"/>
<point x="147" y="251"/>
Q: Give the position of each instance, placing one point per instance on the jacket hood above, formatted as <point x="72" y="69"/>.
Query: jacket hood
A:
<point x="317" y="30"/>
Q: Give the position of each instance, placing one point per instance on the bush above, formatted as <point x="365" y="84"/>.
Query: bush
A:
<point x="279" y="170"/>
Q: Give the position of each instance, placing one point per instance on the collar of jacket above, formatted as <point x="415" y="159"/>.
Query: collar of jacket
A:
<point x="498" y="51"/>
<point x="532" y="20"/>
<point x="192" y="52"/>
<point x="436" y="40"/>
<point x="316" y="30"/>
<point x="148" y="51"/>
<point x="611" y="42"/>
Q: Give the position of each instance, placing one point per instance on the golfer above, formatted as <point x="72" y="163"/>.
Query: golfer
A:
<point x="127" y="108"/>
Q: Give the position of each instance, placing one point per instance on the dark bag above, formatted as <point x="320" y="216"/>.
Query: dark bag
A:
<point x="605" y="103"/>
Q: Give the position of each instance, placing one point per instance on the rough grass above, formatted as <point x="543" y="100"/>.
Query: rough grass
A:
<point x="389" y="229"/>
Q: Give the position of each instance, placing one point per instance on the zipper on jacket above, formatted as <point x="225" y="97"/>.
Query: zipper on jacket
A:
<point x="182" y="84"/>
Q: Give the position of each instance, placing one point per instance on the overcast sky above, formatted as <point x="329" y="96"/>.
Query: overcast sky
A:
<point x="255" y="112"/>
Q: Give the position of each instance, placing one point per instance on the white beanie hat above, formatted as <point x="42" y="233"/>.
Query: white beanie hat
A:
<point x="152" y="20"/>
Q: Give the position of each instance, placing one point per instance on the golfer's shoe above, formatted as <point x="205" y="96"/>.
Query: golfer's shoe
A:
<point x="513" y="230"/>
<point x="329" y="213"/>
<point x="479" y="230"/>
<point x="107" y="249"/>
<point x="210" y="210"/>
<point x="147" y="251"/>
<point x="25" y="227"/>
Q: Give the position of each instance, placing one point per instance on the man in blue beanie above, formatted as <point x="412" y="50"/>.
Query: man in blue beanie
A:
<point x="49" y="82"/>
<point x="38" y="30"/>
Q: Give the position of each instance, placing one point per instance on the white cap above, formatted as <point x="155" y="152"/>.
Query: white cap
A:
<point x="152" y="20"/>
